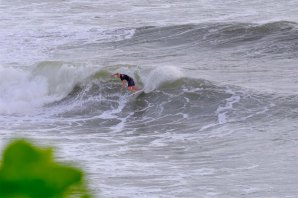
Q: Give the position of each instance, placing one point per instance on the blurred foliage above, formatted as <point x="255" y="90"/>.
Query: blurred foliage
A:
<point x="27" y="171"/>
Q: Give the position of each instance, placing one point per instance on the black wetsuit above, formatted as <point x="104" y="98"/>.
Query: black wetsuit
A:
<point x="129" y="80"/>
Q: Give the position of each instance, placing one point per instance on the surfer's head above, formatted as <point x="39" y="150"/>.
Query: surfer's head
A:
<point x="117" y="75"/>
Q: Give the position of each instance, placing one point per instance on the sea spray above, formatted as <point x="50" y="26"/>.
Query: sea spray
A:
<point x="159" y="75"/>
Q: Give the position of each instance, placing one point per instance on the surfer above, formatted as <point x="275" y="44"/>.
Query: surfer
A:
<point x="130" y="82"/>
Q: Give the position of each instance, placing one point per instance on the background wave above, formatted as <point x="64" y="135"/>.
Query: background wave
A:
<point x="257" y="40"/>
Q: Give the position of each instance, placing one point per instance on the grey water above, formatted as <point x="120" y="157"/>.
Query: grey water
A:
<point x="219" y="114"/>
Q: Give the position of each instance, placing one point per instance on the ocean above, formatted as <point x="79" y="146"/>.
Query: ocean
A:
<point x="219" y="116"/>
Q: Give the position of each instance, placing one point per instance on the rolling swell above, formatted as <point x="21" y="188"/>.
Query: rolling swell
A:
<point x="254" y="40"/>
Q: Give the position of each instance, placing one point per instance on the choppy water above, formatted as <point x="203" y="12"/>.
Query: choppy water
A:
<point x="219" y="114"/>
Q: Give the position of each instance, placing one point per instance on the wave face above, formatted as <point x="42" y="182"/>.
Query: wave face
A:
<point x="56" y="90"/>
<point x="181" y="99"/>
<point x="61" y="90"/>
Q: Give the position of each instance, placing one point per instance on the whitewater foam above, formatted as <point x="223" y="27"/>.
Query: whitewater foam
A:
<point x="24" y="91"/>
<point x="159" y="75"/>
<point x="32" y="45"/>
<point x="21" y="92"/>
<point x="222" y="110"/>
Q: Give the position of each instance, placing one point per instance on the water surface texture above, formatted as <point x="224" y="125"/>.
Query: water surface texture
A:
<point x="219" y="115"/>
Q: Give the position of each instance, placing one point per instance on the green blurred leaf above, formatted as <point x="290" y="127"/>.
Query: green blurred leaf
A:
<point x="30" y="172"/>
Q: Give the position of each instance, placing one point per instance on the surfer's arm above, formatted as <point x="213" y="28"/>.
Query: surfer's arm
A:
<point x="123" y="85"/>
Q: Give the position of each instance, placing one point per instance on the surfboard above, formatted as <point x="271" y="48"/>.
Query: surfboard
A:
<point x="135" y="95"/>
